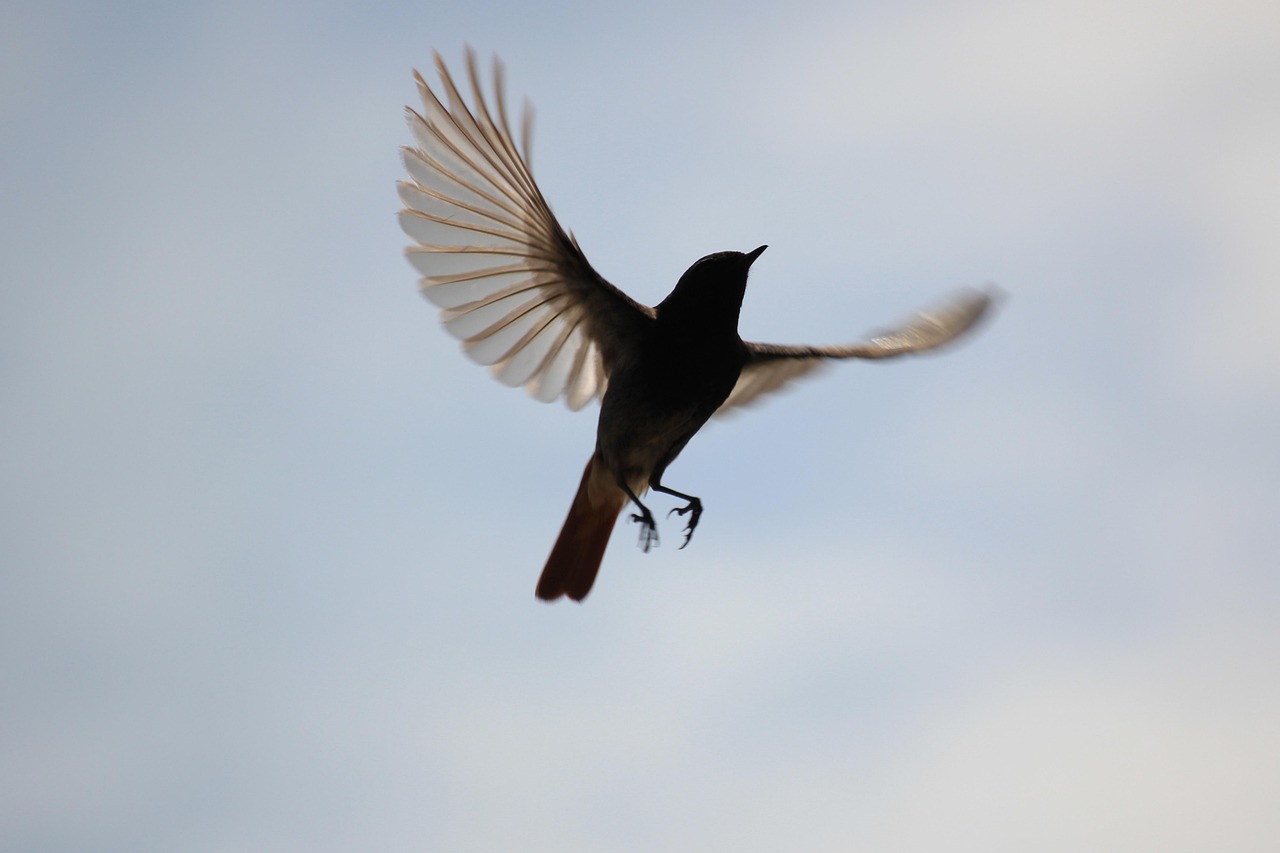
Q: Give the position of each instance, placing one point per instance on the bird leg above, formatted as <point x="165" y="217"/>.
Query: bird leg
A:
<point x="648" y="527"/>
<point x="693" y="509"/>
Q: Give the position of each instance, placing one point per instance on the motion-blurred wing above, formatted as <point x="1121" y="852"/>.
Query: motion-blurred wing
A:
<point x="512" y="285"/>
<point x="770" y="366"/>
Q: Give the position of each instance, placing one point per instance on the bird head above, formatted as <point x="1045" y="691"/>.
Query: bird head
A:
<point x="711" y="290"/>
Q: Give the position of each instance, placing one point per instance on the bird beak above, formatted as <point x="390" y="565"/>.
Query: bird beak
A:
<point x="753" y="254"/>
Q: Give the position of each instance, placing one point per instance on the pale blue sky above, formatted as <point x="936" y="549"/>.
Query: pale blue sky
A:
<point x="268" y="541"/>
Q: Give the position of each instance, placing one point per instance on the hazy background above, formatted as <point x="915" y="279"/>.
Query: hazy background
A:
<point x="268" y="541"/>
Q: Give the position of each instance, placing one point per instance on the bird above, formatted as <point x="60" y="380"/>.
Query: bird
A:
<point x="515" y="287"/>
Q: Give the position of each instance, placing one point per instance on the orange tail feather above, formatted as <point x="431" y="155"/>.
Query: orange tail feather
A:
<point x="571" y="569"/>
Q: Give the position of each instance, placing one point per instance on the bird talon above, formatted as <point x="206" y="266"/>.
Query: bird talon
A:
<point x="648" y="530"/>
<point x="694" y="510"/>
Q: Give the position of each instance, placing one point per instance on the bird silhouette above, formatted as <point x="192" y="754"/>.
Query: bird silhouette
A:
<point x="517" y="290"/>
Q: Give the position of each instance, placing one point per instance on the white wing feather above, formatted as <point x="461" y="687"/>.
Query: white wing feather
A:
<point x="510" y="283"/>
<point x="771" y="366"/>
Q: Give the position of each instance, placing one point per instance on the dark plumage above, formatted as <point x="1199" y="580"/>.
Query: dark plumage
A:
<point x="515" y="287"/>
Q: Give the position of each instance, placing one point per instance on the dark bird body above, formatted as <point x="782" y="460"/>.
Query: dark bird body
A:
<point x="523" y="298"/>
<point x="678" y="371"/>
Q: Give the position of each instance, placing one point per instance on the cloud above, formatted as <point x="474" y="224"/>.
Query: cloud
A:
<point x="1144" y="748"/>
<point x="271" y="540"/>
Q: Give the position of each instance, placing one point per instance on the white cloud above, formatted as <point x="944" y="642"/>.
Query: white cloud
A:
<point x="277" y="539"/>
<point x="1155" y="748"/>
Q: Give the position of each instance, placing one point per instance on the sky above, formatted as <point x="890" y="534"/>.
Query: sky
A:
<point x="268" y="541"/>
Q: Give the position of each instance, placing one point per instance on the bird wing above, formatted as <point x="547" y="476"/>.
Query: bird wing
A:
<point x="771" y="366"/>
<point x="511" y="283"/>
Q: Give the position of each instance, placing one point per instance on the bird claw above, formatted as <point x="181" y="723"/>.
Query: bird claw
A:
<point x="648" y="530"/>
<point x="694" y="510"/>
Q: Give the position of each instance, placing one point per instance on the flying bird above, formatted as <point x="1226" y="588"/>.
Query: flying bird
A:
<point x="514" y="286"/>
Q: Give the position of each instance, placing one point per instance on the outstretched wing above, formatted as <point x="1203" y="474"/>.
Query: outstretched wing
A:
<point x="770" y="366"/>
<point x="512" y="285"/>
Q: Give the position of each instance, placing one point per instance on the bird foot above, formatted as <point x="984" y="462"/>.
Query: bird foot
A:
<point x="648" y="529"/>
<point x="694" y="510"/>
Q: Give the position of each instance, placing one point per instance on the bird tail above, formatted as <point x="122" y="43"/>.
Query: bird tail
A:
<point x="571" y="569"/>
